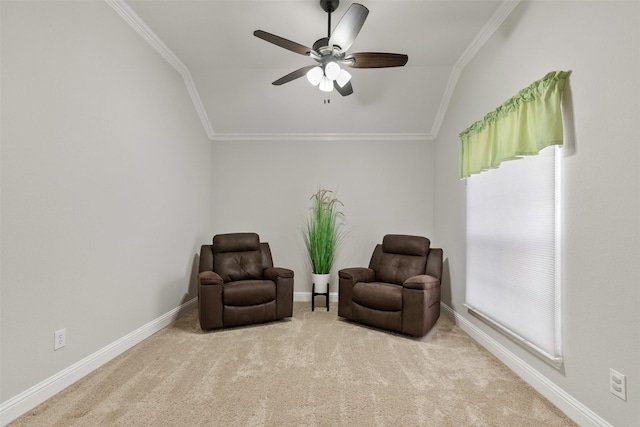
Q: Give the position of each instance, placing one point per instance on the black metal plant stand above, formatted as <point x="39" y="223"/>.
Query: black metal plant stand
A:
<point x="313" y="296"/>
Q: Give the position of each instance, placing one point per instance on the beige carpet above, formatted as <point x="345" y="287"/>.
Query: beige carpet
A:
<point x="312" y="370"/>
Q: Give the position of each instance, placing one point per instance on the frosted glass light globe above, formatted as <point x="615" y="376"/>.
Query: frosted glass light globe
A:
<point x="314" y="75"/>
<point x="343" y="78"/>
<point x="332" y="70"/>
<point x="326" y="85"/>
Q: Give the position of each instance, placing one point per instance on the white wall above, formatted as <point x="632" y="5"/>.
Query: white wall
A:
<point x="600" y="43"/>
<point x="105" y="186"/>
<point x="265" y="186"/>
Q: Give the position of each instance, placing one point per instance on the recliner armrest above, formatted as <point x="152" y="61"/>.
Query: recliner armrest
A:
<point x="283" y="279"/>
<point x="210" y="278"/>
<point x="357" y="274"/>
<point x="275" y="273"/>
<point x="422" y="282"/>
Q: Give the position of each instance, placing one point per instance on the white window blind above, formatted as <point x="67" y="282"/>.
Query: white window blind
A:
<point x="513" y="277"/>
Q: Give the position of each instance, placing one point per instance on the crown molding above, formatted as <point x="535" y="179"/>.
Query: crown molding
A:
<point x="323" y="137"/>
<point x="498" y="17"/>
<point x="125" y="11"/>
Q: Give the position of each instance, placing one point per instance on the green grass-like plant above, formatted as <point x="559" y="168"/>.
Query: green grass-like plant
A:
<point x="323" y="231"/>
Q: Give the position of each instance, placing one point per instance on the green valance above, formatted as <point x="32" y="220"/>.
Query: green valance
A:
<point x="523" y="125"/>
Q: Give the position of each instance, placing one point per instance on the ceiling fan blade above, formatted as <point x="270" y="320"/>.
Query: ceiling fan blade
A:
<point x="282" y="42"/>
<point x="345" y="90"/>
<point x="376" y="60"/>
<point x="294" y="75"/>
<point x="349" y="26"/>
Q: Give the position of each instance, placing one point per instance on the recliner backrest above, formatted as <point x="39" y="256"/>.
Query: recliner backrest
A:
<point x="400" y="257"/>
<point x="237" y="256"/>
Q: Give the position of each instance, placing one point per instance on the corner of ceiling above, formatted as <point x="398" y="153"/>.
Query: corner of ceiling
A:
<point x="494" y="22"/>
<point x="132" y="18"/>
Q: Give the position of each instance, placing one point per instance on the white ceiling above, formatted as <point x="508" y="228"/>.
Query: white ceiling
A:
<point x="232" y="70"/>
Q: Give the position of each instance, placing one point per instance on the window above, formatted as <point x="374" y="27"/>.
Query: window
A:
<point x="513" y="274"/>
<point x="512" y="164"/>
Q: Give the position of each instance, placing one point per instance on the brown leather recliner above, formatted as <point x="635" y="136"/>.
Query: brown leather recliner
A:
<point x="238" y="284"/>
<point x="400" y="291"/>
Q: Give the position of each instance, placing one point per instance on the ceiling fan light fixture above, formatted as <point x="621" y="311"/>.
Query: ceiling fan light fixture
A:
<point x="343" y="78"/>
<point x="332" y="70"/>
<point x="326" y="84"/>
<point x="315" y="75"/>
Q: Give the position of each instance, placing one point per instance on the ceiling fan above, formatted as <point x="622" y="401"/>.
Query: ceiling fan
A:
<point x="330" y="52"/>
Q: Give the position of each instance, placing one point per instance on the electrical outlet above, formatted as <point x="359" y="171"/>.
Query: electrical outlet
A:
<point x="618" y="384"/>
<point x="59" y="339"/>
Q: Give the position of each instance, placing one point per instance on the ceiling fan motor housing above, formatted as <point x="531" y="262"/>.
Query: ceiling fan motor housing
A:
<point x="325" y="52"/>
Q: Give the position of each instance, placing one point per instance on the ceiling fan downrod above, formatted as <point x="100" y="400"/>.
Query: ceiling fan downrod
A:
<point x="329" y="6"/>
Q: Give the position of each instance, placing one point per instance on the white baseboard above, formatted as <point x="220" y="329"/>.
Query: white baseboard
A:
<point x="575" y="410"/>
<point x="29" y="399"/>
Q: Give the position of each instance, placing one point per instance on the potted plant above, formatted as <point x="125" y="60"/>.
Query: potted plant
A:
<point x="322" y="236"/>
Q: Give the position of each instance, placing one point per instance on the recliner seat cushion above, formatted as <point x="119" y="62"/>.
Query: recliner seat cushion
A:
<point x="248" y="292"/>
<point x="378" y="296"/>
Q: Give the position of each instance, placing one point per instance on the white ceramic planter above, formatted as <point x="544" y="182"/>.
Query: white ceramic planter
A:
<point x="321" y="281"/>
